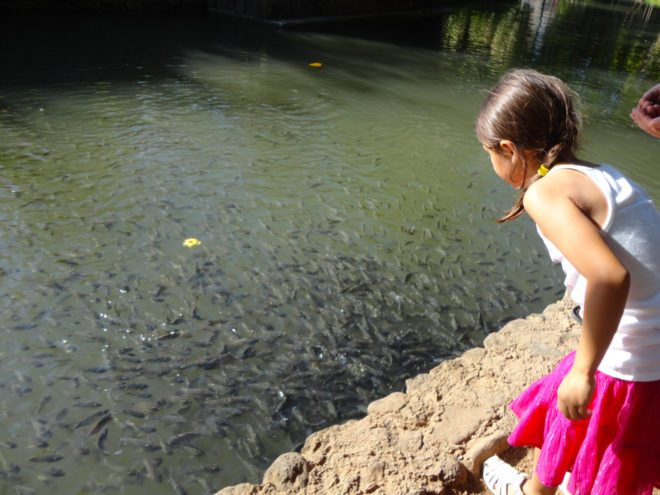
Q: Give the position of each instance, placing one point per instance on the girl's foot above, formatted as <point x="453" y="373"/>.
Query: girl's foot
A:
<point x="563" y="488"/>
<point x="501" y="478"/>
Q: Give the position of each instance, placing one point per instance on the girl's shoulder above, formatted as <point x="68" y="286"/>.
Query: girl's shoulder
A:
<point x="549" y="190"/>
<point x="561" y="181"/>
<point x="569" y="183"/>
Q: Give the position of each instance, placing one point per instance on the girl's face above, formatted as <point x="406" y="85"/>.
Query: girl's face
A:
<point x="504" y="165"/>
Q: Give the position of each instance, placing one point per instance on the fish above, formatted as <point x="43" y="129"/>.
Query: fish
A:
<point x="183" y="438"/>
<point x="47" y="458"/>
<point x="90" y="419"/>
<point x="193" y="450"/>
<point x="100" y="443"/>
<point x="178" y="489"/>
<point x="56" y="473"/>
<point x="151" y="470"/>
<point x="101" y="422"/>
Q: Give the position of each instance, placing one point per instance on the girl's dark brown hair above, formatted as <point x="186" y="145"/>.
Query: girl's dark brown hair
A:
<point x="536" y="113"/>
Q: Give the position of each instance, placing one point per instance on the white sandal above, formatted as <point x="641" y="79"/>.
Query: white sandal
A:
<point x="563" y="488"/>
<point x="497" y="472"/>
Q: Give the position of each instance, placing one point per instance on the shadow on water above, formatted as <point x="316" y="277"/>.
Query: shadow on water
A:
<point x="40" y="49"/>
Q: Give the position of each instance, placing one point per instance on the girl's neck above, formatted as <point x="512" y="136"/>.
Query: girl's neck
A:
<point x="574" y="160"/>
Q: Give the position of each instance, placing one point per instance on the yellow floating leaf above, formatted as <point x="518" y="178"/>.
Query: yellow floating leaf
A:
<point x="315" y="64"/>
<point x="191" y="242"/>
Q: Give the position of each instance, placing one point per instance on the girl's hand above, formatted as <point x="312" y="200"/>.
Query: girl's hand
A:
<point x="574" y="395"/>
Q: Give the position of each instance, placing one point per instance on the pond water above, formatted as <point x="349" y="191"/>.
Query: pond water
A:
<point x="345" y="214"/>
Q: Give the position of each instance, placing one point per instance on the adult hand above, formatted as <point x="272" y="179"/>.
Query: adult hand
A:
<point x="575" y="394"/>
<point x="647" y="112"/>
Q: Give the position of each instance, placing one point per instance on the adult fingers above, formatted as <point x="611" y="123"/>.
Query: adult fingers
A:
<point x="653" y="93"/>
<point x="641" y="119"/>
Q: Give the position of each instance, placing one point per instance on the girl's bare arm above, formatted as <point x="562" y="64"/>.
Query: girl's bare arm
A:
<point x="552" y="203"/>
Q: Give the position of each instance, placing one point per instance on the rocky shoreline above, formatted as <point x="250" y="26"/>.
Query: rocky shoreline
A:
<point x="434" y="438"/>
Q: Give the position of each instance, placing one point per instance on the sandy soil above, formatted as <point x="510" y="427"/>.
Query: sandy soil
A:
<point x="433" y="439"/>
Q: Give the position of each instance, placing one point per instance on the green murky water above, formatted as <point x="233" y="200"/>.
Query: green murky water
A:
<point x="345" y="214"/>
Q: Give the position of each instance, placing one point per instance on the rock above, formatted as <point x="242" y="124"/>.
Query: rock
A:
<point x="419" y="382"/>
<point x="483" y="449"/>
<point x="289" y="471"/>
<point x="242" y="489"/>
<point x="411" y="442"/>
<point x="474" y="355"/>
<point x="546" y="350"/>
<point x="458" y="424"/>
<point x="448" y="470"/>
<point x="390" y="404"/>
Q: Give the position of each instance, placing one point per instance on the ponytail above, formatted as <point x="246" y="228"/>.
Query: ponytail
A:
<point x="535" y="112"/>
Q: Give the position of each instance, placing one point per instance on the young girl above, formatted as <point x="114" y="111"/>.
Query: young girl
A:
<point x="597" y="415"/>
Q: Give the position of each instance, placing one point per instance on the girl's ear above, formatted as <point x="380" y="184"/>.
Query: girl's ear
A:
<point x="508" y="148"/>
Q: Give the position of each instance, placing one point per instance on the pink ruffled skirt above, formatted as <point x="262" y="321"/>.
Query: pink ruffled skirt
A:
<point x="614" y="452"/>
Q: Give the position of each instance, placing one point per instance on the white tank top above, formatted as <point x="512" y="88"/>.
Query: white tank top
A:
<point x="632" y="231"/>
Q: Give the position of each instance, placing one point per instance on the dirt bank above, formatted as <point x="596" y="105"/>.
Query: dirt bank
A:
<point x="433" y="439"/>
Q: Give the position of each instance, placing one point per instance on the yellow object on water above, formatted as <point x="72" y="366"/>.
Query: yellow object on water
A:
<point x="315" y="64"/>
<point x="191" y="242"/>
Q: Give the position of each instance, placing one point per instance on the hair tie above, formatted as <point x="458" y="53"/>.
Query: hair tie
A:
<point x="543" y="170"/>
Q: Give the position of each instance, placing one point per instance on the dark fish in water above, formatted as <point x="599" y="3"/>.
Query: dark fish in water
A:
<point x="101" y="441"/>
<point x="41" y="429"/>
<point x="169" y="335"/>
<point x="42" y="403"/>
<point x="47" y="458"/>
<point x="90" y="419"/>
<point x="204" y="468"/>
<point x="8" y="467"/>
<point x="151" y="470"/>
<point x="178" y="489"/>
<point x="181" y="439"/>
<point x="164" y="446"/>
<point x="68" y="262"/>
<point x="41" y="443"/>
<point x="136" y="386"/>
<point x="61" y="414"/>
<point x="96" y="369"/>
<point x="27" y="326"/>
<point x="193" y="450"/>
<point x="140" y="444"/>
<point x="20" y="391"/>
<point x="101" y="422"/>
<point x="205" y="486"/>
<point x="88" y="404"/>
<point x="135" y="414"/>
